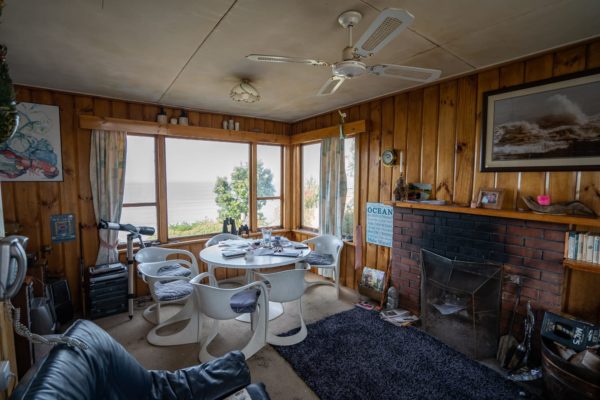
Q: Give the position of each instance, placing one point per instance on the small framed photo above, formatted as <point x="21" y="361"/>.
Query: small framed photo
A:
<point x="490" y="198"/>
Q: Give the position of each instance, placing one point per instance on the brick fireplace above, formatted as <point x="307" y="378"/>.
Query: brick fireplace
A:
<point x="533" y="250"/>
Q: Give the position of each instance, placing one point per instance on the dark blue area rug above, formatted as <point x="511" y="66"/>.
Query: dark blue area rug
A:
<point x="357" y="355"/>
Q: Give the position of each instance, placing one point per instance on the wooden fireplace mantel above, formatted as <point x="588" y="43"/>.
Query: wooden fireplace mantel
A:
<point x="524" y="215"/>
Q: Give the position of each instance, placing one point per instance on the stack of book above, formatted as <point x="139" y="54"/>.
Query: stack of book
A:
<point x="584" y="246"/>
<point x="398" y="317"/>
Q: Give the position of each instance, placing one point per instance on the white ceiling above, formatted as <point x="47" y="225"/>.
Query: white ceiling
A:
<point x="190" y="53"/>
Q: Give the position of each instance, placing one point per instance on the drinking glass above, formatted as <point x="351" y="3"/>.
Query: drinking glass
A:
<point x="266" y="236"/>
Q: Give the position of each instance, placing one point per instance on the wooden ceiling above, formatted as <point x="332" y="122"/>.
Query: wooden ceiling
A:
<point x="190" y="53"/>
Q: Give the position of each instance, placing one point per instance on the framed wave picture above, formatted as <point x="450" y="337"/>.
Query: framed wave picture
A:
<point x="551" y="125"/>
<point x="33" y="153"/>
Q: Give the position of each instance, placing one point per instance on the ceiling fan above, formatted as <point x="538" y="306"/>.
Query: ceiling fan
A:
<point x="388" y="24"/>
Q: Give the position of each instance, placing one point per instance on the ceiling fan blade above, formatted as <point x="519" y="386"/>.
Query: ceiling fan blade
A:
<point x="331" y="85"/>
<point x="283" y="59"/>
<point x="405" y="72"/>
<point x="386" y="27"/>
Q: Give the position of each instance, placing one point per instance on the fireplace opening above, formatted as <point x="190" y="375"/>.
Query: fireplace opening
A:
<point x="460" y="303"/>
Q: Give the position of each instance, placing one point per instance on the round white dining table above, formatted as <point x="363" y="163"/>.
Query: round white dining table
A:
<point x="212" y="255"/>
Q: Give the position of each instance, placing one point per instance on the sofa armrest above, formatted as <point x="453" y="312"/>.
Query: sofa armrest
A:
<point x="213" y="380"/>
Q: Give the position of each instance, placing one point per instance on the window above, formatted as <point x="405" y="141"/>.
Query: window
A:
<point x="268" y="188"/>
<point x="207" y="182"/>
<point x="311" y="178"/>
<point x="349" y="163"/>
<point x="311" y="172"/>
<point x="139" y="202"/>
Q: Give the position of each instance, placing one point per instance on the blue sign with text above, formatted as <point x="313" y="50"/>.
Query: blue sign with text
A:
<point x="380" y="224"/>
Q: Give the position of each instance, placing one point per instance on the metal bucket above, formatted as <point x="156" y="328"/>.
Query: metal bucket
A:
<point x="564" y="380"/>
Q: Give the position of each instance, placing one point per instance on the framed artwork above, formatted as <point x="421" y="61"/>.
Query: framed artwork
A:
<point x="490" y="198"/>
<point x="62" y="227"/>
<point x="33" y="153"/>
<point x="551" y="125"/>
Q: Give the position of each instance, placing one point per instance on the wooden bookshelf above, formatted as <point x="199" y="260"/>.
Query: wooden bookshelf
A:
<point x="524" y="215"/>
<point x="582" y="266"/>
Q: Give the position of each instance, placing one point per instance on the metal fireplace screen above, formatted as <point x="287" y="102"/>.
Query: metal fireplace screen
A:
<point x="460" y="303"/>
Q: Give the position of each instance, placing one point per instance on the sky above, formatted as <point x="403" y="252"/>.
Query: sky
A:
<point x="191" y="160"/>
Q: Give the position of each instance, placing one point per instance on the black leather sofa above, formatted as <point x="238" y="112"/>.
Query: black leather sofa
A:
<point x="105" y="370"/>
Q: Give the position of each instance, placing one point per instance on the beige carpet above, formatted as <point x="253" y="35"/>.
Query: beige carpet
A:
<point x="266" y="366"/>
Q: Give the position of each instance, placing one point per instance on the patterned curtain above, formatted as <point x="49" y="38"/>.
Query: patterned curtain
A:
<point x="332" y="194"/>
<point x="107" y="176"/>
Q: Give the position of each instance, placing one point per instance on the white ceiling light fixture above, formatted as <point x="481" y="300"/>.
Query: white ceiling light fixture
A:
<point x="244" y="92"/>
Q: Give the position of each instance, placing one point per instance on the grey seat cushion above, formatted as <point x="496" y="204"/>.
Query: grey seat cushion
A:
<point x="173" y="270"/>
<point x="173" y="290"/>
<point x="319" y="259"/>
<point x="245" y="301"/>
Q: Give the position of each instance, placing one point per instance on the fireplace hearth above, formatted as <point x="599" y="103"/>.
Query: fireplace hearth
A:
<point x="530" y="249"/>
<point x="460" y="303"/>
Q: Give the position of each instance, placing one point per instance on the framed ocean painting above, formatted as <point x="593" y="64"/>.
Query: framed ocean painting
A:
<point x="551" y="125"/>
<point x="33" y="153"/>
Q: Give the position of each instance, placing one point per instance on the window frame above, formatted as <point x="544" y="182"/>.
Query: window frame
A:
<point x="154" y="204"/>
<point x="301" y="222"/>
<point x="161" y="201"/>
<point x="254" y="187"/>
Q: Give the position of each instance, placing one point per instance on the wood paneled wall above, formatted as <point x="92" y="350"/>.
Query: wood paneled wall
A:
<point x="30" y="204"/>
<point x="438" y="129"/>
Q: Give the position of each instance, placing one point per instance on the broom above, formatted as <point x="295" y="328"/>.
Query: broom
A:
<point x="508" y="343"/>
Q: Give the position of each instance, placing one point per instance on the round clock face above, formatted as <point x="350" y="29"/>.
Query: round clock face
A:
<point x="388" y="157"/>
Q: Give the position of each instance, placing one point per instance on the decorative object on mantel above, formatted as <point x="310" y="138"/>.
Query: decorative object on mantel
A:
<point x="9" y="117"/>
<point x="244" y="92"/>
<point x="401" y="190"/>
<point x="419" y="191"/>
<point x="552" y="125"/>
<point x="568" y="207"/>
<point x="173" y="121"/>
<point x="161" y="117"/>
<point x="183" y="118"/>
<point x="490" y="198"/>
<point x="544" y="200"/>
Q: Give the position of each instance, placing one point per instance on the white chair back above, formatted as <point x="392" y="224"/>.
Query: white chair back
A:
<point x="156" y="254"/>
<point x="220" y="237"/>
<point x="285" y="285"/>
<point x="327" y="244"/>
<point x="214" y="301"/>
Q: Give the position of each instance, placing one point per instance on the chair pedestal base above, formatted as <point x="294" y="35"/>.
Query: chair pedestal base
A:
<point x="189" y="334"/>
<point x="275" y="310"/>
<point x="308" y="284"/>
<point x="293" y="339"/>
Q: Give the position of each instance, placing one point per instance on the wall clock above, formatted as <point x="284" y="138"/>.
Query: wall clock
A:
<point x="388" y="157"/>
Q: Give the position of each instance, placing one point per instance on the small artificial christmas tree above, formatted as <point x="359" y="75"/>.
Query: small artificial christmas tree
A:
<point x="9" y="117"/>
